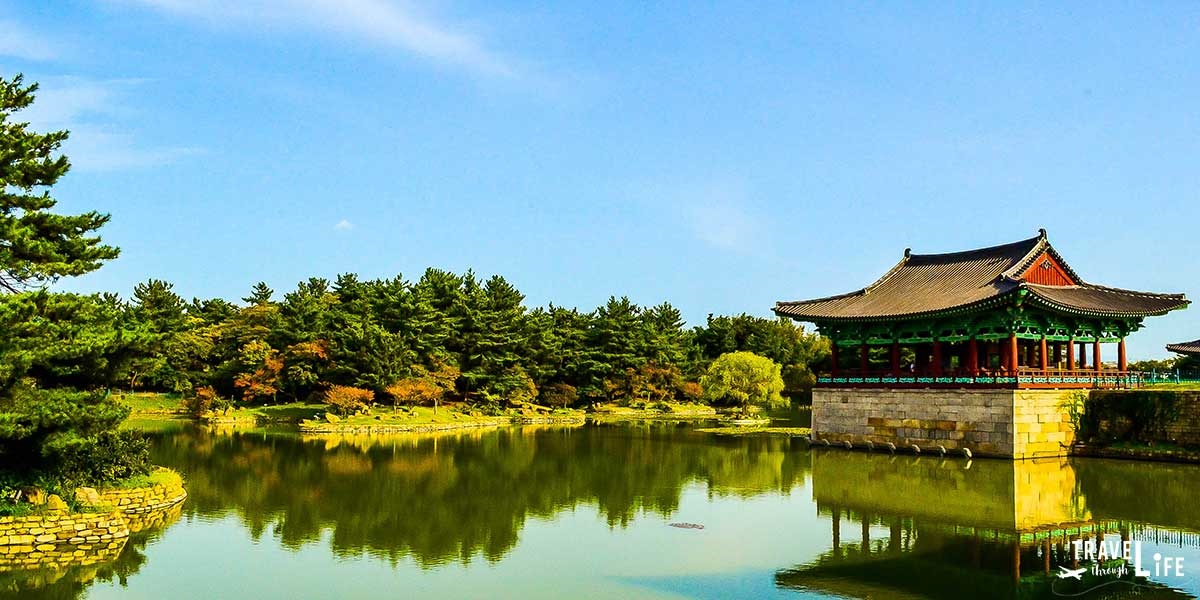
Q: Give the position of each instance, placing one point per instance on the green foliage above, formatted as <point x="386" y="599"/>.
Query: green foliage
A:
<point x="204" y="400"/>
<point x="38" y="246"/>
<point x="54" y="347"/>
<point x="107" y="458"/>
<point x="743" y="379"/>
<point x="800" y="353"/>
<point x="1075" y="405"/>
<point x="559" y="394"/>
<point x="1129" y="415"/>
<point x="66" y="435"/>
<point x="513" y="385"/>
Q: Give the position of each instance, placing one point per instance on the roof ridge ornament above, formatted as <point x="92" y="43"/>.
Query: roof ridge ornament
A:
<point x="1042" y="233"/>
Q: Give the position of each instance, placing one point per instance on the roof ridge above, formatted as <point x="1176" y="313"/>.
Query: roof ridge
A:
<point x="976" y="251"/>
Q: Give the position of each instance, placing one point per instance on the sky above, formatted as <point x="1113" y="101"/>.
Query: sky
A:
<point x="715" y="156"/>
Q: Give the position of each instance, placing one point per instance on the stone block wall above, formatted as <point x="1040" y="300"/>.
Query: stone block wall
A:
<point x="44" y="540"/>
<point x="990" y="422"/>
<point x="1185" y="430"/>
<point x="145" y="499"/>
<point x="1041" y="426"/>
<point x="57" y="541"/>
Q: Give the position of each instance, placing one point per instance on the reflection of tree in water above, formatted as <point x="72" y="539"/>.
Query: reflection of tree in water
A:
<point x="1160" y="493"/>
<point x="454" y="497"/>
<point x="73" y="582"/>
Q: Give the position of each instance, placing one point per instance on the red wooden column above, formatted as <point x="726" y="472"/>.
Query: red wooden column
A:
<point x="1071" y="354"/>
<point x="1082" y="356"/>
<point x="937" y="358"/>
<point x="1122" y="361"/>
<point x="833" y="358"/>
<point x="973" y="357"/>
<point x="864" y="359"/>
<point x="895" y="359"/>
<point x="1096" y="355"/>
<point x="1042" y="355"/>
<point x="1013" y="362"/>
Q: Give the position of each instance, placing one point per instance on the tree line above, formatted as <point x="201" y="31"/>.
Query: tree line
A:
<point x="444" y="336"/>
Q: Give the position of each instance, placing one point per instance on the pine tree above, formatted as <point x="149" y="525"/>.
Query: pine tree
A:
<point x="46" y="340"/>
<point x="38" y="246"/>
<point x="259" y="294"/>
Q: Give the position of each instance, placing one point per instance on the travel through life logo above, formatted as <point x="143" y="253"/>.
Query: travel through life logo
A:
<point x="1101" y="563"/>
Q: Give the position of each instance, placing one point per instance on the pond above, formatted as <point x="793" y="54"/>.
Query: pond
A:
<point x="629" y="511"/>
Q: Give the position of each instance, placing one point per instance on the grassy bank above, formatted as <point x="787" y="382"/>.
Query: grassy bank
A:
<point x="149" y="403"/>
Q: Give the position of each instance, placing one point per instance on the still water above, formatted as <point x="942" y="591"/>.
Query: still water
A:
<point x="587" y="512"/>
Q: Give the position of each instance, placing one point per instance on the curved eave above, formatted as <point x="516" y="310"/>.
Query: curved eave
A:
<point x="1038" y="299"/>
<point x="1185" y="348"/>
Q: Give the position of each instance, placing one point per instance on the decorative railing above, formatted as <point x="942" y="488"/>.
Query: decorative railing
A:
<point x="1031" y="378"/>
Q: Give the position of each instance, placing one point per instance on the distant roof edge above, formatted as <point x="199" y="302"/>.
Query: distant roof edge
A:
<point x="1185" y="348"/>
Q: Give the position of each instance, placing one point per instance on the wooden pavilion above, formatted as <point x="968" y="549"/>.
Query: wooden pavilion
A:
<point x="1010" y="316"/>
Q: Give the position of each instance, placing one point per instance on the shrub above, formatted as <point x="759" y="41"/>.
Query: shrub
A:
<point x="345" y="400"/>
<point x="205" y="399"/>
<point x="108" y="458"/>
<point x="691" y="391"/>
<point x="743" y="379"/>
<point x="414" y="390"/>
<point x="559" y="394"/>
<point x="62" y="435"/>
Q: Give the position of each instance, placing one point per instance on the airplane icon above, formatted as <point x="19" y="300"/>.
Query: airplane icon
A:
<point x="1072" y="573"/>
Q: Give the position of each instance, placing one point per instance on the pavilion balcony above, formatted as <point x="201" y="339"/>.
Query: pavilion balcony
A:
<point x="1024" y="378"/>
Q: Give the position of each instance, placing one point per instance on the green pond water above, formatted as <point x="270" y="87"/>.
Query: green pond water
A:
<point x="595" y="512"/>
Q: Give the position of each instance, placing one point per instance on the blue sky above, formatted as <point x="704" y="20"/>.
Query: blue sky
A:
<point x="714" y="156"/>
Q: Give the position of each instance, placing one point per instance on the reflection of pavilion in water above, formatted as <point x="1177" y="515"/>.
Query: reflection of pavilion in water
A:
<point x="928" y="528"/>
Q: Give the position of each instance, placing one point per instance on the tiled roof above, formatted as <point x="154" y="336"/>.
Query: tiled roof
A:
<point x="1187" y="348"/>
<point x="1101" y="301"/>
<point x="932" y="283"/>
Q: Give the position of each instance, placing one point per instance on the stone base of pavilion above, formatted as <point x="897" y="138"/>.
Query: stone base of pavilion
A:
<point x="1000" y="422"/>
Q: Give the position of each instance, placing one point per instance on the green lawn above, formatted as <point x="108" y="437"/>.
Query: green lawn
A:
<point x="150" y="402"/>
<point x="290" y="412"/>
<point x="419" y="415"/>
<point x="1175" y="387"/>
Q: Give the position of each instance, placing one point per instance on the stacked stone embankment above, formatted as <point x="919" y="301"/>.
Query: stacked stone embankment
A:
<point x="54" y="541"/>
<point x="145" y="499"/>
<point x="59" y="539"/>
<point x="1007" y="423"/>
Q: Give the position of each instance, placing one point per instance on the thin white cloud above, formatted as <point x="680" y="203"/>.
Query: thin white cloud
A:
<point x="344" y="225"/>
<point x="379" y="22"/>
<point x="20" y="42"/>
<point x="92" y="110"/>
<point x="719" y="215"/>
<point x="723" y="225"/>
